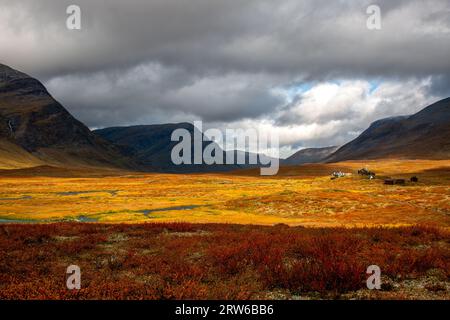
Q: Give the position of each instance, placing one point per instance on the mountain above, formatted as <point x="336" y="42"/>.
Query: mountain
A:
<point x="41" y="130"/>
<point x="151" y="147"/>
<point x="309" y="155"/>
<point x="13" y="156"/>
<point x="36" y="130"/>
<point x="424" y="135"/>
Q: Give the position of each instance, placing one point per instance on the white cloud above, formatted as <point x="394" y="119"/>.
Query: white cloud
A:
<point x="329" y="101"/>
<point x="335" y="113"/>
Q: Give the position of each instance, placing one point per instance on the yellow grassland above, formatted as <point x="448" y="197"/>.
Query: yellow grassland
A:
<point x="300" y="195"/>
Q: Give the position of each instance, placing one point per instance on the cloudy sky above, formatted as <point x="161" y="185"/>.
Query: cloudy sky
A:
<point x="310" y="70"/>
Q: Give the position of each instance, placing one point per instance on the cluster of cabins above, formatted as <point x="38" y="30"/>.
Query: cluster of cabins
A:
<point x="371" y="175"/>
<point x="337" y="174"/>
<point x="365" y="172"/>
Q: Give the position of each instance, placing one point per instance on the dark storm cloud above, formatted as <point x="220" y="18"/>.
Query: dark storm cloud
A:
<point x="315" y="38"/>
<point x="151" y="93"/>
<point x="147" y="61"/>
<point x="440" y="85"/>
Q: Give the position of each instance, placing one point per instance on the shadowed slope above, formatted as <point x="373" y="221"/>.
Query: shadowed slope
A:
<point x="34" y="121"/>
<point x="424" y="135"/>
<point x="309" y="155"/>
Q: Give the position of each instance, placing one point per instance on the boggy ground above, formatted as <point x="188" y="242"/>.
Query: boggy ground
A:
<point x="301" y="195"/>
<point x="193" y="261"/>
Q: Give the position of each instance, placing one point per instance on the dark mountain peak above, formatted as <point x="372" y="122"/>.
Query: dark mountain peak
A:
<point x="152" y="137"/>
<point x="435" y="113"/>
<point x="8" y="73"/>
<point x="32" y="119"/>
<point x="309" y="155"/>
<point x="151" y="147"/>
<point x="18" y="83"/>
<point x="424" y="135"/>
<point x="387" y="120"/>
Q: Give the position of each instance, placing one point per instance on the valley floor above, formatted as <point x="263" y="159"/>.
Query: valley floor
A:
<point x="298" y="235"/>
<point x="302" y="195"/>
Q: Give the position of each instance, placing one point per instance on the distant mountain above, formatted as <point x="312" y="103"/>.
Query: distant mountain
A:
<point x="43" y="130"/>
<point x="424" y="135"/>
<point x="151" y="147"/>
<point x="309" y="155"/>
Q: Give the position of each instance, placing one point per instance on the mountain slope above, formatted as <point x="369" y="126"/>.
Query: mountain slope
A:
<point x="424" y="135"/>
<point x="309" y="155"/>
<point x="13" y="156"/>
<point x="31" y="119"/>
<point x="151" y="147"/>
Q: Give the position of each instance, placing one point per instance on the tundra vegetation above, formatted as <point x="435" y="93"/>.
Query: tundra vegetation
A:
<point x="297" y="235"/>
<point x="221" y="261"/>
